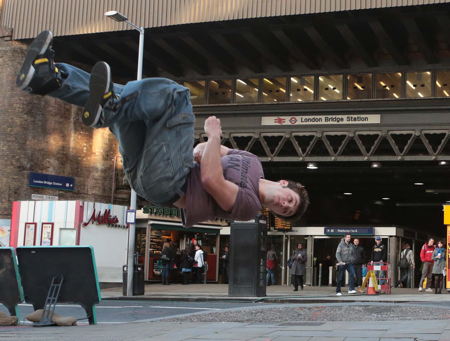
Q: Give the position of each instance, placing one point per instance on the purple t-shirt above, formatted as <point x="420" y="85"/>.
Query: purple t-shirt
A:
<point x="240" y="167"/>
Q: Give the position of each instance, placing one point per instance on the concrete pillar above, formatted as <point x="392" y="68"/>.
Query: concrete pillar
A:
<point x="392" y="258"/>
<point x="310" y="260"/>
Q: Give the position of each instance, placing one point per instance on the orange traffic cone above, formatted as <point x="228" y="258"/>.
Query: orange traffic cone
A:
<point x="370" y="288"/>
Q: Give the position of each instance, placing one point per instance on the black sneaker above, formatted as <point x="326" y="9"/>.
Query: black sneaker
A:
<point x="38" y="74"/>
<point x="100" y="91"/>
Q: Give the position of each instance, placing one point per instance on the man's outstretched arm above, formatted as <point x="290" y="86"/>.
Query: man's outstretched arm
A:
<point x="223" y="191"/>
<point x="200" y="148"/>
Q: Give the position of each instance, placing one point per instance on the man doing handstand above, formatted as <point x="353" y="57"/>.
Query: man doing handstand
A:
<point x="154" y="123"/>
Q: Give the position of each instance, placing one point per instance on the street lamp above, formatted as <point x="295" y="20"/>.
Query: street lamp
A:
<point x="119" y="17"/>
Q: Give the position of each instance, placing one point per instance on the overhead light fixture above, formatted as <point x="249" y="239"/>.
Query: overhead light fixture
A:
<point x="308" y="89"/>
<point x="442" y="163"/>
<point x="420" y="94"/>
<point x="240" y="95"/>
<point x="448" y="201"/>
<point x="410" y="84"/>
<point x="446" y="93"/>
<point x="116" y="16"/>
<point x="282" y="90"/>
<point x="395" y="95"/>
<point x="418" y="184"/>
<point x="312" y="165"/>
<point x="386" y="198"/>
<point x="375" y="165"/>
<point x="323" y="98"/>
<point x="438" y="84"/>
<point x="358" y="86"/>
<point x="268" y="81"/>
<point x="348" y="193"/>
<point x="294" y="80"/>
<point x="242" y="82"/>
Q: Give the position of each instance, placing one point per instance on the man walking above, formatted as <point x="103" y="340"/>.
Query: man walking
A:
<point x="379" y="255"/>
<point x="406" y="264"/>
<point x="426" y="256"/>
<point x="345" y="256"/>
<point x="360" y="259"/>
<point x="153" y="122"/>
<point x="271" y="264"/>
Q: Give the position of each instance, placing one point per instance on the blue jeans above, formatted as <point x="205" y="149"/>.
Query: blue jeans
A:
<point x="165" y="272"/>
<point x="154" y="127"/>
<point x="340" y="281"/>
<point x="270" y="277"/>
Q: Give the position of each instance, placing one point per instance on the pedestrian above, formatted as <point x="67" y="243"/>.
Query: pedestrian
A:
<point x="224" y="264"/>
<point x="153" y="122"/>
<point x="199" y="264"/>
<point x="345" y="256"/>
<point x="379" y="255"/>
<point x="186" y="263"/>
<point x="406" y="265"/>
<point x="439" y="267"/>
<point x="298" y="266"/>
<point x="326" y="264"/>
<point x="360" y="259"/>
<point x="271" y="264"/>
<point x="166" y="260"/>
<point x="426" y="256"/>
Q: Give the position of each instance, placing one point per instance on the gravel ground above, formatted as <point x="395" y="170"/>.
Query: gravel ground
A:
<point x="378" y="312"/>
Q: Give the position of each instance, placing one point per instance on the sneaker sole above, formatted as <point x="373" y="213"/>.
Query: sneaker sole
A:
<point x="98" y="86"/>
<point x="38" y="47"/>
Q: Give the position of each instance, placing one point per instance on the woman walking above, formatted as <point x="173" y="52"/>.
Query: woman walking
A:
<point x="438" y="266"/>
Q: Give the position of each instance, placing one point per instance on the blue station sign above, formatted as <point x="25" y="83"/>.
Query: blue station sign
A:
<point x="64" y="183"/>
<point x="341" y="231"/>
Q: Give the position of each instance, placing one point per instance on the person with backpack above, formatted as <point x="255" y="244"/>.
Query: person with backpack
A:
<point x="406" y="265"/>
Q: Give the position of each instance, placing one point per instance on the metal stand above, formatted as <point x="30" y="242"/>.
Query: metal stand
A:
<point x="50" y="302"/>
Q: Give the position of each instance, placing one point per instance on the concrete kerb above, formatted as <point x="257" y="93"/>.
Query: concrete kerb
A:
<point x="268" y="299"/>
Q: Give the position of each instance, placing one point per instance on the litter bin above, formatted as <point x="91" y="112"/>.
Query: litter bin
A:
<point x="138" y="280"/>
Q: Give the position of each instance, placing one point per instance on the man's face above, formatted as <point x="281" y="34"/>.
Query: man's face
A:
<point x="348" y="238"/>
<point x="299" y="246"/>
<point x="283" y="201"/>
<point x="378" y="241"/>
<point x="356" y="242"/>
<point x="431" y="242"/>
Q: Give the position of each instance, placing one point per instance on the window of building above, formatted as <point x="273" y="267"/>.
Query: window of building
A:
<point x="302" y="88"/>
<point x="418" y="84"/>
<point x="443" y="84"/>
<point x="388" y="85"/>
<point x="220" y="91"/>
<point x="197" y="90"/>
<point x="247" y="90"/>
<point x="359" y="86"/>
<point x="274" y="90"/>
<point x="330" y="87"/>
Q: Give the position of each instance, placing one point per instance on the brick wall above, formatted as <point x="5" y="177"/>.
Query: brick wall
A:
<point x="45" y="135"/>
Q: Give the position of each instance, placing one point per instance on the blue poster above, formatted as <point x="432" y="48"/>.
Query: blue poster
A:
<point x="64" y="183"/>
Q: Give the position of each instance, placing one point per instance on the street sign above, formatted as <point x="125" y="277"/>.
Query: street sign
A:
<point x="64" y="183"/>
<point x="357" y="231"/>
<point x="44" y="197"/>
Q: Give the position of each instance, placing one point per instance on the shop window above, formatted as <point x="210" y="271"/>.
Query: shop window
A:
<point x="197" y="90"/>
<point x="330" y="87"/>
<point x="443" y="84"/>
<point x="274" y="90"/>
<point x="220" y="91"/>
<point x="388" y="85"/>
<point x="247" y="90"/>
<point x="302" y="89"/>
<point x="359" y="86"/>
<point x="418" y="84"/>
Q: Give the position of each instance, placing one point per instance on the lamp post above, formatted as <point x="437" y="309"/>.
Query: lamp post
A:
<point x="116" y="16"/>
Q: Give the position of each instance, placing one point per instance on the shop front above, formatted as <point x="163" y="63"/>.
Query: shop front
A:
<point x="156" y="226"/>
<point x="67" y="223"/>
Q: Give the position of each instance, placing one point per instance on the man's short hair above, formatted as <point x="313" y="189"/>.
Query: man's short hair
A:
<point x="304" y="202"/>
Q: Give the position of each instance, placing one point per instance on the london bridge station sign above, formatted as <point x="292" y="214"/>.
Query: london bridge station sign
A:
<point x="321" y="120"/>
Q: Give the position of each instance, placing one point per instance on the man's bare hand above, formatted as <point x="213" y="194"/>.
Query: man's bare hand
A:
<point x="198" y="151"/>
<point x="213" y="127"/>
